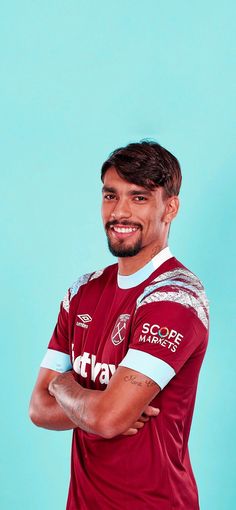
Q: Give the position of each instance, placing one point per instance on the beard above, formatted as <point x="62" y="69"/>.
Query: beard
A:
<point x="124" y="251"/>
<point x="118" y="248"/>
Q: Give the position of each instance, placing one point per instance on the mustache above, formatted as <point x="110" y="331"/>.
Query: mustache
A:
<point x="125" y="223"/>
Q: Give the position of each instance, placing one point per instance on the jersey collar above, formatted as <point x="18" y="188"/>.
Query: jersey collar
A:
<point x="132" y="280"/>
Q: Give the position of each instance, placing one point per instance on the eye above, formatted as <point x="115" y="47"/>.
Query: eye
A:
<point x="109" y="196"/>
<point x="140" y="198"/>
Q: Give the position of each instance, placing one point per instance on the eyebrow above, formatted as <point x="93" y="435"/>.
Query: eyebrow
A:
<point x="108" y="189"/>
<point x="140" y="192"/>
<point x="134" y="192"/>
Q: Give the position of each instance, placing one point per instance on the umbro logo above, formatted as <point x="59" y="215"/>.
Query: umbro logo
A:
<point x="85" y="318"/>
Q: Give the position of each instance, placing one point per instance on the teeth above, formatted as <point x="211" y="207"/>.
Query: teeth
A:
<point x="123" y="230"/>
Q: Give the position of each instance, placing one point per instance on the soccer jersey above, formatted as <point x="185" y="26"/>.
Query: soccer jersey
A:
<point x="156" y="322"/>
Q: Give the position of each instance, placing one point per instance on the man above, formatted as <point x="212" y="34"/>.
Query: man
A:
<point x="135" y="334"/>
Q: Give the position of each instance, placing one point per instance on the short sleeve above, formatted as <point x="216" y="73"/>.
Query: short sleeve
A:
<point x="164" y="336"/>
<point x="57" y="356"/>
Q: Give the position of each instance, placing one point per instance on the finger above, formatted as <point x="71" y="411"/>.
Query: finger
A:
<point x="134" y="429"/>
<point x="130" y="432"/>
<point x="138" y="424"/>
<point x="151" y="411"/>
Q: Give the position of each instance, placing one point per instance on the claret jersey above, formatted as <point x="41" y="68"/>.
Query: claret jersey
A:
<point x="156" y="322"/>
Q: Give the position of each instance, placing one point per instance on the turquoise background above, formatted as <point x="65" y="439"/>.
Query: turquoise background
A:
<point x="78" y="79"/>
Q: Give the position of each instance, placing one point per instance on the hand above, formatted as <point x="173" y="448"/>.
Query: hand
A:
<point x="148" y="412"/>
<point x="61" y="378"/>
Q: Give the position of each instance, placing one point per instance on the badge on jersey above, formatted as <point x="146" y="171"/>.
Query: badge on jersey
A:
<point x="119" y="331"/>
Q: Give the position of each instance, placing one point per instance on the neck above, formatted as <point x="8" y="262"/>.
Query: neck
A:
<point x="129" y="265"/>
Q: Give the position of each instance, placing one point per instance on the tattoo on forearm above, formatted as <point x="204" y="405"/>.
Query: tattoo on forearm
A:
<point x="149" y="383"/>
<point x="134" y="380"/>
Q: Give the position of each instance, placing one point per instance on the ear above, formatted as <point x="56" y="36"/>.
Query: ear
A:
<point x="171" y="209"/>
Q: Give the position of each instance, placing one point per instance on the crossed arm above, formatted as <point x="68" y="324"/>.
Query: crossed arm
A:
<point x="58" y="402"/>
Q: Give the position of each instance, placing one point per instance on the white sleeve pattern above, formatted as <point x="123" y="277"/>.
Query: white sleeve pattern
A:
<point x="74" y="289"/>
<point x="178" y="286"/>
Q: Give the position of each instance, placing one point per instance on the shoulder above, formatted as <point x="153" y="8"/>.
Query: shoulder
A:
<point x="177" y="285"/>
<point x="84" y="280"/>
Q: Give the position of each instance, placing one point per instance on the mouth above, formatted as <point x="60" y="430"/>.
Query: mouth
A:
<point x="121" y="231"/>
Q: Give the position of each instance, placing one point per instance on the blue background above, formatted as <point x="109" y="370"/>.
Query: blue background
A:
<point x="78" y="79"/>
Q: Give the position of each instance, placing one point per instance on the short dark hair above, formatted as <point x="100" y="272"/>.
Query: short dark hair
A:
<point x="146" y="164"/>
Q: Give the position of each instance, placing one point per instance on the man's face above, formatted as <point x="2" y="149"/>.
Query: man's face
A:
<point x="133" y="217"/>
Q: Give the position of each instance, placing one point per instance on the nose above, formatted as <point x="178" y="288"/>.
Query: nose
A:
<point x="121" y="210"/>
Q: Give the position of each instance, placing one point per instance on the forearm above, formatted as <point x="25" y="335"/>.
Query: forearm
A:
<point x="80" y="405"/>
<point x="45" y="412"/>
<point x="106" y="413"/>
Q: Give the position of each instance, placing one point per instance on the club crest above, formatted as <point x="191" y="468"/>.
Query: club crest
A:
<point x="119" y="331"/>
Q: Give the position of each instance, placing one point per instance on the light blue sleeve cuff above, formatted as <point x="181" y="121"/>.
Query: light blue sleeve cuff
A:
<point x="56" y="360"/>
<point x="154" y="368"/>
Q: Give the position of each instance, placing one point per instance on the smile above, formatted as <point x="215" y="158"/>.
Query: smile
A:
<point x="123" y="231"/>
